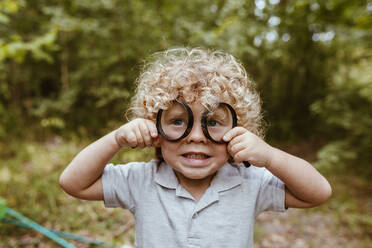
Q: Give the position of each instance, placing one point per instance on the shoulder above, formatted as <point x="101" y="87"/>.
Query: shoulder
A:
<point x="132" y="168"/>
<point x="258" y="176"/>
<point x="252" y="172"/>
<point x="134" y="165"/>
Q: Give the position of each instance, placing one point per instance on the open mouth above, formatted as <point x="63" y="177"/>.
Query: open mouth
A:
<point x="196" y="155"/>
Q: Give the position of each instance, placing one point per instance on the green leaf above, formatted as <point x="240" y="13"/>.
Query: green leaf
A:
<point x="4" y="19"/>
<point x="2" y="207"/>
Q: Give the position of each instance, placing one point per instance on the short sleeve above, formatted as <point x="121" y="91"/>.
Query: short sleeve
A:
<point x="271" y="195"/>
<point x="122" y="184"/>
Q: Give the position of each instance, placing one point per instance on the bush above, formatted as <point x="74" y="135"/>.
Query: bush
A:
<point x="347" y="110"/>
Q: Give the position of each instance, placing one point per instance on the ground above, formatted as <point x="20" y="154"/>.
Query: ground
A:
<point x="298" y="229"/>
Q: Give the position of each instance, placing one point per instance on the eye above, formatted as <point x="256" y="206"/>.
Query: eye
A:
<point x="212" y="123"/>
<point x="178" y="122"/>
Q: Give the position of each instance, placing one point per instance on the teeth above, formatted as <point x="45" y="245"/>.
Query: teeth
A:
<point x="196" y="156"/>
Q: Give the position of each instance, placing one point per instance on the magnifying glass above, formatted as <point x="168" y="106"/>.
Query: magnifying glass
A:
<point x="176" y="122"/>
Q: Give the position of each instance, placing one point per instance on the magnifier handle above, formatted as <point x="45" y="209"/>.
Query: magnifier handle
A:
<point x="246" y="164"/>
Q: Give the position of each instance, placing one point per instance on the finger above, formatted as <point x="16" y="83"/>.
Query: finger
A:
<point x="234" y="149"/>
<point x="130" y="138"/>
<point x="238" y="139"/>
<point x="240" y="156"/>
<point x="145" y="134"/>
<point x="140" y="141"/>
<point x="233" y="133"/>
<point x="152" y="127"/>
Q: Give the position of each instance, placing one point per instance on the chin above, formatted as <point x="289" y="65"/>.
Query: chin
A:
<point x="195" y="177"/>
<point x="197" y="174"/>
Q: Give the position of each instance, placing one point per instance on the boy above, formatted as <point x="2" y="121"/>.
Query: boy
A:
<point x="201" y="112"/>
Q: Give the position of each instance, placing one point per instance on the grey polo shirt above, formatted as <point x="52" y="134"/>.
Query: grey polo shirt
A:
<point x="168" y="216"/>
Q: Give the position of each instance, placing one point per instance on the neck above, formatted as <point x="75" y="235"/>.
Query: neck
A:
<point x="196" y="187"/>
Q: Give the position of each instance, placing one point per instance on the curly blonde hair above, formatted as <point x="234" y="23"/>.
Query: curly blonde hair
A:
<point x="200" y="75"/>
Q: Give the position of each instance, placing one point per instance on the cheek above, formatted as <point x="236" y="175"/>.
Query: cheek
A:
<point x="221" y="151"/>
<point x="168" y="148"/>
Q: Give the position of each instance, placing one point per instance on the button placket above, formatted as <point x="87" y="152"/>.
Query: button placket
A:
<point x="195" y="215"/>
<point x="193" y="234"/>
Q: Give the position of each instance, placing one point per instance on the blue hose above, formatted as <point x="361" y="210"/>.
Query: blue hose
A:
<point x="56" y="236"/>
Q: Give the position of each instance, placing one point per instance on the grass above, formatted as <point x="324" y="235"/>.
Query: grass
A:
<point x="29" y="173"/>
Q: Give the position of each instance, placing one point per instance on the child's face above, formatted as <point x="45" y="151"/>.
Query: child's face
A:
<point x="195" y="156"/>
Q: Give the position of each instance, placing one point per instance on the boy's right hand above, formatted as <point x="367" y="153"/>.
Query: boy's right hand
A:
<point x="136" y="133"/>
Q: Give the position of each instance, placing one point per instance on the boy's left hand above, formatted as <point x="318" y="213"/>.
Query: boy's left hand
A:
<point x="246" y="146"/>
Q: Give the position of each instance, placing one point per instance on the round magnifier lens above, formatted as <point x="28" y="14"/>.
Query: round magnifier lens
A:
<point x="174" y="122"/>
<point x="219" y="121"/>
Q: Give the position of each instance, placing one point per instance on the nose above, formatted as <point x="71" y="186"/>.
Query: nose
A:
<point x="196" y="135"/>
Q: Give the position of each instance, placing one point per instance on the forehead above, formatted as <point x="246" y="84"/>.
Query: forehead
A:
<point x="197" y="109"/>
<point x="176" y="109"/>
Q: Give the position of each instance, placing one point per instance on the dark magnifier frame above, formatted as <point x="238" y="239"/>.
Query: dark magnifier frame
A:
<point x="204" y="122"/>
<point x="190" y="124"/>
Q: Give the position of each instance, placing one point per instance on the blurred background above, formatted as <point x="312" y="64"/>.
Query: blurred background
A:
<point x="68" y="70"/>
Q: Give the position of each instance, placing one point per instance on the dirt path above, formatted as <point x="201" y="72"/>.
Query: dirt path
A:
<point x="298" y="228"/>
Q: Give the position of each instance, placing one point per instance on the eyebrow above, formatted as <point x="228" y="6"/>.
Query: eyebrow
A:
<point x="175" y="111"/>
<point x="218" y="113"/>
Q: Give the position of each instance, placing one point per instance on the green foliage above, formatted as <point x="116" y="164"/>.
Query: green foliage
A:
<point x="18" y="49"/>
<point x="2" y="207"/>
<point x="347" y="110"/>
<point x="334" y="156"/>
<point x="8" y="7"/>
<point x="69" y="68"/>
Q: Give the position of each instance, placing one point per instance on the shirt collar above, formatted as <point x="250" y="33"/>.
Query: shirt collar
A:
<point x="166" y="177"/>
<point x="227" y="177"/>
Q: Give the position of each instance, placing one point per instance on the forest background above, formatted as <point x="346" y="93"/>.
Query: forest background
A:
<point x="68" y="71"/>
